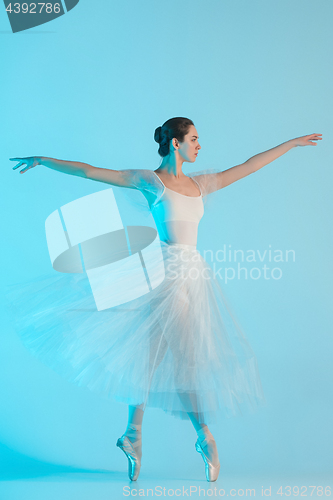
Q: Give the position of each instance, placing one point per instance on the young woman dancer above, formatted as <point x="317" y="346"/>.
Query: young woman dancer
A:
<point x="188" y="355"/>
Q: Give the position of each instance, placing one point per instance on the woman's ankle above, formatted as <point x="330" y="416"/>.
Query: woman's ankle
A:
<point x="133" y="431"/>
<point x="204" y="433"/>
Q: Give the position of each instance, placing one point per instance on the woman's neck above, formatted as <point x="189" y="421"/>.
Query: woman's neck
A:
<point x="171" y="165"/>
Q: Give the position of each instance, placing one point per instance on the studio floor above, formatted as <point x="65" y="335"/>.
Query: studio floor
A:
<point x="102" y="485"/>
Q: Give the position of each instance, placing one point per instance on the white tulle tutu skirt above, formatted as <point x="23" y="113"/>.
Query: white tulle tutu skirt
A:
<point x="178" y="347"/>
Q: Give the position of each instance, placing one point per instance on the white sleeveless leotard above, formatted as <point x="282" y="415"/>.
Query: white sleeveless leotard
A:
<point x="177" y="216"/>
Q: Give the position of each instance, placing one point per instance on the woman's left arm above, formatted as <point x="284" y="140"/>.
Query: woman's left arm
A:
<point x="260" y="160"/>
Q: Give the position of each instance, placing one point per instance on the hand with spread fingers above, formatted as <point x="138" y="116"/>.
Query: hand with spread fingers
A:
<point x="30" y="161"/>
<point x="306" y="140"/>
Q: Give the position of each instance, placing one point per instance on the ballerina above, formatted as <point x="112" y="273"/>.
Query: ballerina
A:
<point x="187" y="355"/>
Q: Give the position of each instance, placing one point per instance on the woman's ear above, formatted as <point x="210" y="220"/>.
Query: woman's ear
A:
<point x="175" y="143"/>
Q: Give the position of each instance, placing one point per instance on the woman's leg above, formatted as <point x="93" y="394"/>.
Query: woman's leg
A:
<point x="189" y="399"/>
<point x="134" y="427"/>
<point x="206" y="438"/>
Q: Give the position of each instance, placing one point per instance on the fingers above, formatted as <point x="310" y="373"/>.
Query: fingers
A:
<point x="20" y="158"/>
<point x="313" y="137"/>
<point x="307" y="140"/>
<point x="22" y="161"/>
<point x="26" y="168"/>
<point x="18" y="165"/>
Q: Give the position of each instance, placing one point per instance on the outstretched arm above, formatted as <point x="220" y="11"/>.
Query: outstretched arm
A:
<point x="260" y="160"/>
<point x="121" y="178"/>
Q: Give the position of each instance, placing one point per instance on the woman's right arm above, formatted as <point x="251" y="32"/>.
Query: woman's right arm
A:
<point x="115" y="177"/>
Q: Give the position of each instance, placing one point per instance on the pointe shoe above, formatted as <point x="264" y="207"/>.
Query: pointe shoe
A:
<point x="134" y="463"/>
<point x="212" y="471"/>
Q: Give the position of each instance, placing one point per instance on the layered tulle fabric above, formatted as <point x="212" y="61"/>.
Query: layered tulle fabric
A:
<point x="178" y="347"/>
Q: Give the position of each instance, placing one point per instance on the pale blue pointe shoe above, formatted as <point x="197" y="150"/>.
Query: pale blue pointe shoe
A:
<point x="134" y="463"/>
<point x="212" y="471"/>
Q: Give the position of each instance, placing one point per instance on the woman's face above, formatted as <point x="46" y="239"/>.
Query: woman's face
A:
<point x="190" y="147"/>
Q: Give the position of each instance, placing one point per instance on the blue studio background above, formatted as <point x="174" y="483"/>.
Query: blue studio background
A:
<point x="92" y="86"/>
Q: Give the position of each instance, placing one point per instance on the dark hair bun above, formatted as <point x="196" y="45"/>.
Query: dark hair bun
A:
<point x="158" y="135"/>
<point x="176" y="128"/>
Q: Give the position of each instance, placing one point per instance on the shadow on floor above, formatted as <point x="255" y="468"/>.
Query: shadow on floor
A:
<point x="15" y="465"/>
